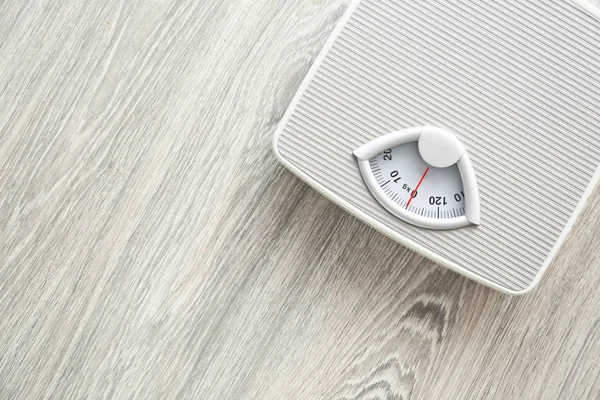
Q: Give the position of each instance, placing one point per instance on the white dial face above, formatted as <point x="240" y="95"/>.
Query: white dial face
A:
<point x="417" y="187"/>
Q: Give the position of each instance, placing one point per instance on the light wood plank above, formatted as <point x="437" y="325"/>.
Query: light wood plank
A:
<point x="151" y="246"/>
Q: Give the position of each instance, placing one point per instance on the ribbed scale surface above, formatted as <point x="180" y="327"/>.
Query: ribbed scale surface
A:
<point x="516" y="80"/>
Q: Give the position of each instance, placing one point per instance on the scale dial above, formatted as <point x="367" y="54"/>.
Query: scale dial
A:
<point x="412" y="183"/>
<point x="423" y="176"/>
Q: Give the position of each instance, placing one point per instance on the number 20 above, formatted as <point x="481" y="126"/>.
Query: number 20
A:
<point x="387" y="155"/>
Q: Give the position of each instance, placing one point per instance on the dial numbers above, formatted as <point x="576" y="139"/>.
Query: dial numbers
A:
<point x="416" y="186"/>
<point x="422" y="175"/>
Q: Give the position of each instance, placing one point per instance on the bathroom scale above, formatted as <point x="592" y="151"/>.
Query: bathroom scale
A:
<point x="467" y="131"/>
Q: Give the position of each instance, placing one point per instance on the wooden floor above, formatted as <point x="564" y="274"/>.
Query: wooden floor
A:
<point x="152" y="247"/>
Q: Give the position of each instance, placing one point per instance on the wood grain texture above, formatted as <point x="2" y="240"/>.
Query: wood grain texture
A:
<point x="152" y="247"/>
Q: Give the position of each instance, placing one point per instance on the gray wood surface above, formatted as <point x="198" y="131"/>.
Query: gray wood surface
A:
<point x="152" y="247"/>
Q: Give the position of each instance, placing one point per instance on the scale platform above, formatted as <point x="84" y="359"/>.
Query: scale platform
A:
<point x="513" y="84"/>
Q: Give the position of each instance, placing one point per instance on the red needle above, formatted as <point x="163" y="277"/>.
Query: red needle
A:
<point x="417" y="188"/>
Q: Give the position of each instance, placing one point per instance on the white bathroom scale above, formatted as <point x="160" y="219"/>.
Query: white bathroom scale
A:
<point x="468" y="131"/>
